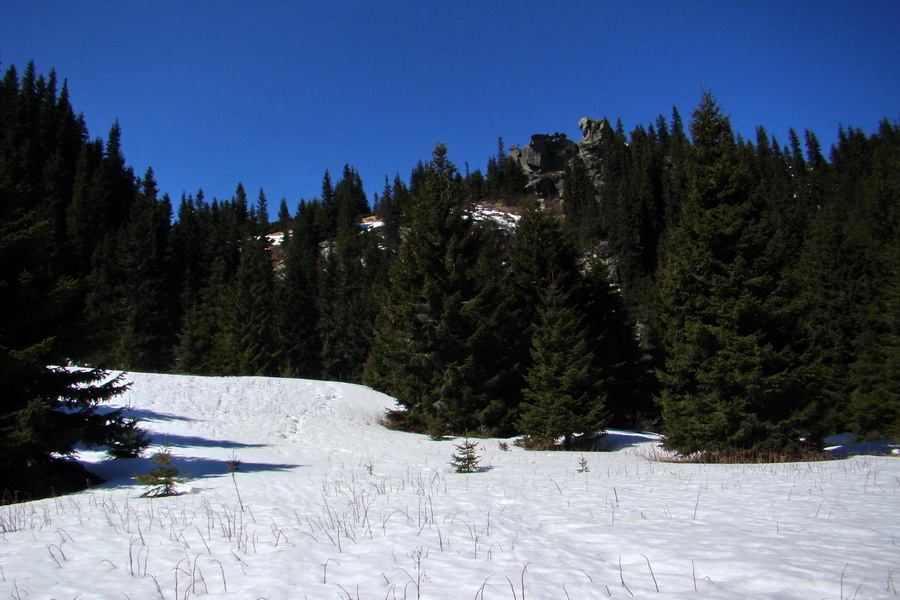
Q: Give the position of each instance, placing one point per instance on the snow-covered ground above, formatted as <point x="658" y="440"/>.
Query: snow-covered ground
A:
<point x="329" y="504"/>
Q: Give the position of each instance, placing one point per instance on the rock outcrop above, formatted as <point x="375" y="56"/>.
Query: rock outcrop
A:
<point x="546" y="156"/>
<point x="590" y="146"/>
<point x="544" y="162"/>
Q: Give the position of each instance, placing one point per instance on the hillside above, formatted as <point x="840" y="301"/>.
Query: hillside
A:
<point x="337" y="506"/>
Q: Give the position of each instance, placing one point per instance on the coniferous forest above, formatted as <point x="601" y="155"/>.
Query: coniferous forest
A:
<point x="736" y="295"/>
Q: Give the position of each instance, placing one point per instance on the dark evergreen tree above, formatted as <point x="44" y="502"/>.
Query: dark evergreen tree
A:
<point x="45" y="410"/>
<point x="329" y="212"/>
<point x="84" y="224"/>
<point x="261" y="214"/>
<point x="389" y="213"/>
<point x="426" y="334"/>
<point x="347" y="304"/>
<point x="118" y="187"/>
<point x="505" y="180"/>
<point x="284" y="222"/>
<point x="580" y="202"/>
<point x="298" y="292"/>
<point x="731" y="380"/>
<point x="402" y="199"/>
<point x="675" y="184"/>
<point x="874" y="375"/>
<point x="194" y="350"/>
<point x="541" y="253"/>
<point x="240" y="208"/>
<point x="624" y="367"/>
<point x="247" y="343"/>
<point x="844" y="276"/>
<point x="350" y="198"/>
<point x="466" y="460"/>
<point x="146" y="339"/>
<point x="162" y="480"/>
<point x="563" y="396"/>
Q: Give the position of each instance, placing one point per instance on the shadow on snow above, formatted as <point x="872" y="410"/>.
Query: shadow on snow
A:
<point x="120" y="473"/>
<point x="187" y="441"/>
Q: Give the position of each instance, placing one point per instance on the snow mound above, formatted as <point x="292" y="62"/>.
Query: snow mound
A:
<point x="259" y="407"/>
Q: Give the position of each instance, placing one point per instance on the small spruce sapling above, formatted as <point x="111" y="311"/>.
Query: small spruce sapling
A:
<point x="162" y="480"/>
<point x="583" y="464"/>
<point x="466" y="461"/>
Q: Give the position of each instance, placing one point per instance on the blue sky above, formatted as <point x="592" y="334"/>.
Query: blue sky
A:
<point x="271" y="94"/>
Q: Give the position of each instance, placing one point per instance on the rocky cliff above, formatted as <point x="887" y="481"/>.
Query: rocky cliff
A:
<point x="546" y="156"/>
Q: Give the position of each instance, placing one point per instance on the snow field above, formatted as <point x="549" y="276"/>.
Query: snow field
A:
<point x="329" y="504"/>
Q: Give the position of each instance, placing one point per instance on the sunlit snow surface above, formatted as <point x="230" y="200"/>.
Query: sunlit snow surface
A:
<point x="329" y="504"/>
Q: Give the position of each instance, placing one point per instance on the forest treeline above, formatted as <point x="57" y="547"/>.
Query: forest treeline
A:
<point x="754" y="304"/>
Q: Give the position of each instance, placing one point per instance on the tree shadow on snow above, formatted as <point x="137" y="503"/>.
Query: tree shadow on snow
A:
<point x="142" y="414"/>
<point x="120" y="473"/>
<point x="187" y="441"/>
<point x="152" y="415"/>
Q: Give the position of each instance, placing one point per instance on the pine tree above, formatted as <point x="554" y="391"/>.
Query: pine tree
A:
<point x="389" y="213"/>
<point x="505" y="178"/>
<point x="261" y="220"/>
<point x="845" y="276"/>
<point x="624" y="369"/>
<point x="349" y="198"/>
<point x="329" y="213"/>
<point x="540" y="253"/>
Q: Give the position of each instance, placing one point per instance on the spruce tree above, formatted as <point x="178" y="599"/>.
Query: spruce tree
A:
<point x="540" y="253"/>
<point x="874" y="376"/>
<point x="261" y="214"/>
<point x="731" y="380"/>
<point x="45" y="410"/>
<point x="580" y="202"/>
<point x="563" y="394"/>
<point x="146" y="341"/>
<point x="329" y="213"/>
<point x="389" y="213"/>
<point x="428" y="333"/>
<point x="846" y="274"/>
<point x="298" y="293"/>
<point x="347" y="304"/>
<point x="247" y="342"/>
<point x="163" y="479"/>
<point x="284" y="222"/>
<point x="466" y="460"/>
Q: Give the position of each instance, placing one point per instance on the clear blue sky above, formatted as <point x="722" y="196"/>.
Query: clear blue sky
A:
<point x="271" y="94"/>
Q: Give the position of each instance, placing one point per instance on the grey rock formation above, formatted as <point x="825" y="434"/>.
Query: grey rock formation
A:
<point x="590" y="146"/>
<point x="546" y="153"/>
<point x="544" y="161"/>
<point x="546" y="156"/>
